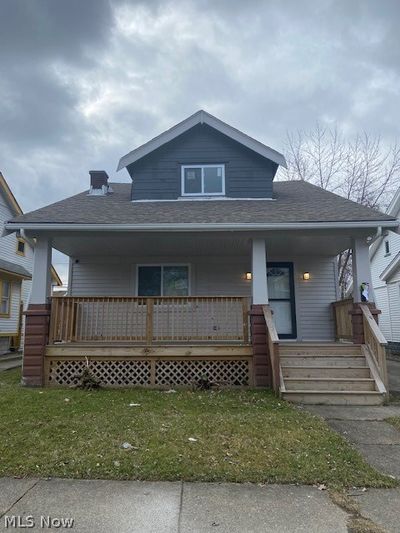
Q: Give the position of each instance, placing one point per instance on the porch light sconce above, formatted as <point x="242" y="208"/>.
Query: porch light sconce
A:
<point x="249" y="276"/>
<point x="306" y="276"/>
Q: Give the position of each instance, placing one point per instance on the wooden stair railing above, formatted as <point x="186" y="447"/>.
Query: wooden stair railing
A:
<point x="273" y="349"/>
<point x="376" y="342"/>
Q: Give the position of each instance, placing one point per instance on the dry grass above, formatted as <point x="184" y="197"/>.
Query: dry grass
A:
<point x="239" y="436"/>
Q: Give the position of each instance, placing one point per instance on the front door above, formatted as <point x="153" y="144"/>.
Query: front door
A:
<point x="281" y="298"/>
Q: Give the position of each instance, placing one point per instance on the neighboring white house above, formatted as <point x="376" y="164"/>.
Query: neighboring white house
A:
<point x="385" y="270"/>
<point x="16" y="261"/>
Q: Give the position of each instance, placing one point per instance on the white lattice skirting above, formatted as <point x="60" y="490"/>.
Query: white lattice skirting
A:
<point x="158" y="373"/>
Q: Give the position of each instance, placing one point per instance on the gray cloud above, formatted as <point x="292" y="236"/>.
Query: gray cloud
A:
<point x="83" y="82"/>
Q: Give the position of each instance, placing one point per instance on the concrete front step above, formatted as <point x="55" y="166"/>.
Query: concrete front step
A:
<point x="316" y="397"/>
<point x="325" y="371"/>
<point x="323" y="360"/>
<point x="330" y="384"/>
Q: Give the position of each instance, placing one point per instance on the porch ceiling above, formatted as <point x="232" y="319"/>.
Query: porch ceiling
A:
<point x="279" y="243"/>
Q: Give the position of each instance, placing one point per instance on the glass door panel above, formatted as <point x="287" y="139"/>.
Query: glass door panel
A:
<point x="281" y="298"/>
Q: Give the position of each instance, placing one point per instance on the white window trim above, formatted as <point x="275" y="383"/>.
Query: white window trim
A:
<point x="162" y="278"/>
<point x="184" y="167"/>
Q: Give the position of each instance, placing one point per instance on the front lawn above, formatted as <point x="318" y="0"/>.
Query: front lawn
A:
<point x="204" y="436"/>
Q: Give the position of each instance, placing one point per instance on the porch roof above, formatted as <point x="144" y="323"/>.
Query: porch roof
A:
<point x="12" y="269"/>
<point x="294" y="202"/>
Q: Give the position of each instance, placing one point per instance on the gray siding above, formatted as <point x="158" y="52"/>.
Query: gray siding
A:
<point x="218" y="276"/>
<point x="158" y="175"/>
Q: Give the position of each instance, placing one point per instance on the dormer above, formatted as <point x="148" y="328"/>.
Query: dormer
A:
<point x="202" y="158"/>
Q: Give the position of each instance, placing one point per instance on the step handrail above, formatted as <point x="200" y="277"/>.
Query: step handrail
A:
<point x="273" y="348"/>
<point x="376" y="342"/>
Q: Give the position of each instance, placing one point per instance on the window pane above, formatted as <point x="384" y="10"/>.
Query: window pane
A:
<point x="176" y="281"/>
<point x="278" y="282"/>
<point x="212" y="180"/>
<point x="192" y="180"/>
<point x="282" y="317"/>
<point x="149" y="283"/>
<point x="6" y="289"/>
<point x="21" y="247"/>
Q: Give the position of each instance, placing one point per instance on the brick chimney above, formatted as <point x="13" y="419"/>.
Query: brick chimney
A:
<point x="99" y="182"/>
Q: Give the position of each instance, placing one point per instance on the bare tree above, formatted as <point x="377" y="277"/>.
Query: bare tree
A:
<point x="362" y="169"/>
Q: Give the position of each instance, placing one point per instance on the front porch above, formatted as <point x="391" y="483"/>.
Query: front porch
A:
<point x="156" y="342"/>
<point x="266" y="308"/>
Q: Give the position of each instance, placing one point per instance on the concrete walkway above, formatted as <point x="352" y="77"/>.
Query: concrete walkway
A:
<point x="375" y="439"/>
<point x="365" y="427"/>
<point x="134" y="506"/>
<point x="393" y="366"/>
<point x="379" y="443"/>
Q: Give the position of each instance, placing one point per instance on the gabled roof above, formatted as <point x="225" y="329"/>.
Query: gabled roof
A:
<point x="16" y="209"/>
<point x="392" y="267"/>
<point x="201" y="117"/>
<point x="10" y="198"/>
<point x="295" y="203"/>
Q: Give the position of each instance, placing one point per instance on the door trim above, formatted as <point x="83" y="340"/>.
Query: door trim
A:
<point x="289" y="265"/>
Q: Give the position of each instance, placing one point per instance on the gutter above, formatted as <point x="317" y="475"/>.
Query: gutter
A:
<point x="13" y="226"/>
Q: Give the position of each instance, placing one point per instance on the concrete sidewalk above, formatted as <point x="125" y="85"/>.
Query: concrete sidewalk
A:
<point x="134" y="506"/>
<point x="365" y="427"/>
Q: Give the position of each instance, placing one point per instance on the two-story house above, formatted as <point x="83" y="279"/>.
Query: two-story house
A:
<point x="16" y="262"/>
<point x="385" y="267"/>
<point x="205" y="266"/>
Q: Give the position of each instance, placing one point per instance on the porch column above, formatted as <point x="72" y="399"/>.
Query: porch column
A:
<point x="259" y="272"/>
<point x="37" y="316"/>
<point x="261" y="366"/>
<point x="361" y="269"/>
<point x="41" y="277"/>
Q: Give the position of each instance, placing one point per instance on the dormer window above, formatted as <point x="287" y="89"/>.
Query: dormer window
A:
<point x="203" y="180"/>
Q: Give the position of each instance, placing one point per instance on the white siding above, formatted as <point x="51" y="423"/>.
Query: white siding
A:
<point x="219" y="276"/>
<point x="8" y="244"/>
<point x="394" y="309"/>
<point x="387" y="298"/>
<point x="8" y="252"/>
<point x="380" y="260"/>
<point x="382" y="303"/>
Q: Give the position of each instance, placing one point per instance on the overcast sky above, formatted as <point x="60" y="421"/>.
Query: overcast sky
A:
<point x="82" y="82"/>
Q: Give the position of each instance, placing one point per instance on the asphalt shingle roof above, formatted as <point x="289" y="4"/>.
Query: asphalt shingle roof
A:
<point x="13" y="268"/>
<point x="294" y="201"/>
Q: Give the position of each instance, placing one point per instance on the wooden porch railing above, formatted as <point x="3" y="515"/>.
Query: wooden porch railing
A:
<point x="273" y="348"/>
<point x="343" y="324"/>
<point x="376" y="343"/>
<point x="148" y="320"/>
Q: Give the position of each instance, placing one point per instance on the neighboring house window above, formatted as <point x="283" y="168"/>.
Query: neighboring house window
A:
<point x="20" y="247"/>
<point x="163" y="280"/>
<point x="387" y="248"/>
<point x="5" y="297"/>
<point x="203" y="180"/>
